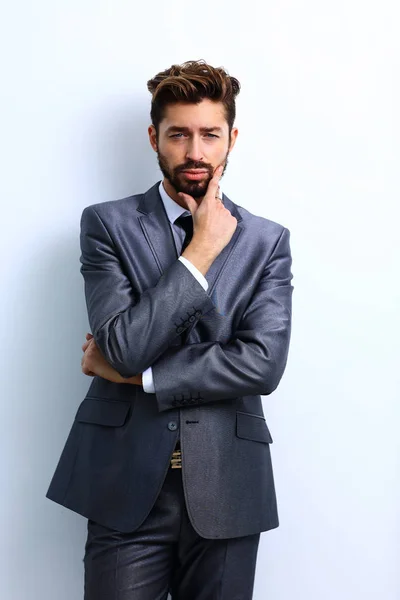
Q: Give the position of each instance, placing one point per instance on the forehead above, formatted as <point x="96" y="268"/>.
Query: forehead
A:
<point x="205" y="114"/>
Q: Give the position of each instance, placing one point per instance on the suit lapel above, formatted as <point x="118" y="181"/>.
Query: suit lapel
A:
<point x="158" y="235"/>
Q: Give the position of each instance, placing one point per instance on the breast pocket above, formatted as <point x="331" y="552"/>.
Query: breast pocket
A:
<point x="252" y="427"/>
<point x="103" y="411"/>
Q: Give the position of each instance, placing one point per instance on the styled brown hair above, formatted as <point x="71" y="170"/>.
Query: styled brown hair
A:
<point x="191" y="82"/>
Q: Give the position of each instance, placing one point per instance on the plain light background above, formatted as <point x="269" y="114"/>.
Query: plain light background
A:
<point x="318" y="151"/>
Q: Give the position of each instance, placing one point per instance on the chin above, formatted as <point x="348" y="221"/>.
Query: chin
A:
<point x="196" y="190"/>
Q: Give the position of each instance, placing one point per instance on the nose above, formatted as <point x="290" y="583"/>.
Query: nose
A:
<point x="194" y="151"/>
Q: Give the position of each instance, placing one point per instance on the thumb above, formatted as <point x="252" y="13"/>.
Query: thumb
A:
<point x="190" y="202"/>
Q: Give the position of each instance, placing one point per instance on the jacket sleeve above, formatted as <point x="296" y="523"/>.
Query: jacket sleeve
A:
<point x="251" y="363"/>
<point x="132" y="329"/>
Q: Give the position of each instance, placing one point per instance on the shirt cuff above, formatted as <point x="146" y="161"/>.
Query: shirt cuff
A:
<point x="199" y="276"/>
<point x="147" y="381"/>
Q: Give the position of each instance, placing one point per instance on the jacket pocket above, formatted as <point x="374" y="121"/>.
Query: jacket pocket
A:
<point x="103" y="411"/>
<point x="252" y="427"/>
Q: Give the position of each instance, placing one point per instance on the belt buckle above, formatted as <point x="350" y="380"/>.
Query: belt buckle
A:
<point x="176" y="459"/>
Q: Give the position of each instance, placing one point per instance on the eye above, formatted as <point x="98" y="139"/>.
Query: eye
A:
<point x="175" y="135"/>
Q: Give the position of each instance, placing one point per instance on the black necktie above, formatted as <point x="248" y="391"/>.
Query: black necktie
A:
<point x="186" y="222"/>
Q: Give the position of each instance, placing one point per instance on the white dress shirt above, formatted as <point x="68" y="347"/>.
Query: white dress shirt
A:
<point x="174" y="210"/>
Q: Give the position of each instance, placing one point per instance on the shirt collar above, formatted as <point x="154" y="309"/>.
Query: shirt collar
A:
<point x="172" y="208"/>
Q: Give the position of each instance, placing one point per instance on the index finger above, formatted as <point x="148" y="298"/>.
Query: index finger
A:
<point x="218" y="172"/>
<point x="214" y="181"/>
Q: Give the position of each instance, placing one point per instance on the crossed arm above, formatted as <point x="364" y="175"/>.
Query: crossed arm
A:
<point x="93" y="363"/>
<point x="252" y="362"/>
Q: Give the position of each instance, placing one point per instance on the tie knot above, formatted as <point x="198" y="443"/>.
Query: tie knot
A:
<point x="183" y="219"/>
<point x="186" y="222"/>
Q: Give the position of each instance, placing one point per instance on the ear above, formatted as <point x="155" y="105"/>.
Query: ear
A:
<point x="152" y="137"/>
<point x="234" y="134"/>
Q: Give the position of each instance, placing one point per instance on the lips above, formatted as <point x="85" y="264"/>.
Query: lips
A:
<point x="194" y="174"/>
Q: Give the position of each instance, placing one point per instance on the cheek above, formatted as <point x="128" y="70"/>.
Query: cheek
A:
<point x="221" y="151"/>
<point x="172" y="152"/>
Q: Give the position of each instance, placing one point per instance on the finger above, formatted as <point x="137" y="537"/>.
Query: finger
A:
<point x="86" y="345"/>
<point x="90" y="373"/>
<point x="190" y="202"/>
<point x="217" y="175"/>
<point x="214" y="182"/>
<point x="85" y="366"/>
<point x="89" y="336"/>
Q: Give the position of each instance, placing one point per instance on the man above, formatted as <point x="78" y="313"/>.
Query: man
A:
<point x="169" y="453"/>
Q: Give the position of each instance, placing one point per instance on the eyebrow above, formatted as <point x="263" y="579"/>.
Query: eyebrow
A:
<point x="186" y="129"/>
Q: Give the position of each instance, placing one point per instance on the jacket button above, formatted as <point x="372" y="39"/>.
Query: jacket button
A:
<point x="172" y="425"/>
<point x="179" y="329"/>
<point x="198" y="313"/>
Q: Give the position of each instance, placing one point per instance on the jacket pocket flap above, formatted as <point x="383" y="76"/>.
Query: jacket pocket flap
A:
<point x="103" y="411"/>
<point x="252" y="427"/>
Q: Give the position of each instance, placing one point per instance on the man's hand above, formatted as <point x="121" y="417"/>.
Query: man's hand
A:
<point x="213" y="226"/>
<point x="93" y="363"/>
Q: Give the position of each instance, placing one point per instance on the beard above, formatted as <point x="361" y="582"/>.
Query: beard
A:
<point x="196" y="189"/>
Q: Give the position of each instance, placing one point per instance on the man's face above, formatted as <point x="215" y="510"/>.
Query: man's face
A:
<point x="195" y="137"/>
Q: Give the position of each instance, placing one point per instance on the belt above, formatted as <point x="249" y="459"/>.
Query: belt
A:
<point x="176" y="458"/>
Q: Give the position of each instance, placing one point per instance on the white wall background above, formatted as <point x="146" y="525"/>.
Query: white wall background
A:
<point x="318" y="151"/>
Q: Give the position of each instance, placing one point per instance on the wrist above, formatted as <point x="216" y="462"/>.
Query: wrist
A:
<point x="134" y="380"/>
<point x="199" y="256"/>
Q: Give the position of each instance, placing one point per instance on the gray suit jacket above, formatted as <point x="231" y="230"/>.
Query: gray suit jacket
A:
<point x="140" y="299"/>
